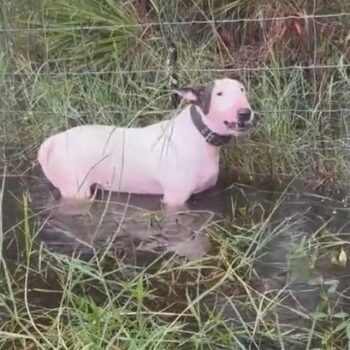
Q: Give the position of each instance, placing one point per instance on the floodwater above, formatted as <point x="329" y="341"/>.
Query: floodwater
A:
<point x="135" y="226"/>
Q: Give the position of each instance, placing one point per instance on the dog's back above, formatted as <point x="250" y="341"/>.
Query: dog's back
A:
<point x="115" y="158"/>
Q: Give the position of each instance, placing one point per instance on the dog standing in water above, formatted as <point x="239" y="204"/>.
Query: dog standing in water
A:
<point x="174" y="158"/>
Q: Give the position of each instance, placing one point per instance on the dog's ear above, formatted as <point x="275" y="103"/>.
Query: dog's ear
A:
<point x="189" y="95"/>
<point x="199" y="96"/>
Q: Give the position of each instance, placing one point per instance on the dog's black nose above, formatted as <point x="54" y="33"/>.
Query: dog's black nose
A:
<point x="244" y="114"/>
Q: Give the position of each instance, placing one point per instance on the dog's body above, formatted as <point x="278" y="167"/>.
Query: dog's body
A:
<point x="170" y="158"/>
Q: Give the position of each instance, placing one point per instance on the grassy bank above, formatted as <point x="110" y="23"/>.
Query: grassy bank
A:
<point x="63" y="64"/>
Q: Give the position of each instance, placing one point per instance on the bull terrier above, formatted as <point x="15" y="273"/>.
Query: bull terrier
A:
<point x="174" y="158"/>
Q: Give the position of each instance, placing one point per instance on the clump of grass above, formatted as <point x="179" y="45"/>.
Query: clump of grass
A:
<point x="297" y="132"/>
<point x="114" y="34"/>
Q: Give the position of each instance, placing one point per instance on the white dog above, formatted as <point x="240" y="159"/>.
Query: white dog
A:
<point x="174" y="158"/>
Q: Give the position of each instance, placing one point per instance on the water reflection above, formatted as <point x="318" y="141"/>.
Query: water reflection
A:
<point x="135" y="225"/>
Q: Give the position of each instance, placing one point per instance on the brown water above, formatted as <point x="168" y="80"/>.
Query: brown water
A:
<point x="134" y="225"/>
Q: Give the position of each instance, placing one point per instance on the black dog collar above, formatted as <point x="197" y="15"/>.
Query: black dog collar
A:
<point x="211" y="137"/>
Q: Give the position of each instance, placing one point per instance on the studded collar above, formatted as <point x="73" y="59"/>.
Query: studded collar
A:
<point x="210" y="136"/>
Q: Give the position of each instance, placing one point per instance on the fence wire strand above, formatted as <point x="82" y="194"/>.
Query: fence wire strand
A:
<point x="23" y="72"/>
<point x="189" y="70"/>
<point x="101" y="111"/>
<point x="177" y="23"/>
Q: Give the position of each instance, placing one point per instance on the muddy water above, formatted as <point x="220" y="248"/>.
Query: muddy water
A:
<point x="134" y="224"/>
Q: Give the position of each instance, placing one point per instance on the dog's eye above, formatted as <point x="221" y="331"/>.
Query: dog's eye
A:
<point x="219" y="94"/>
<point x="242" y="89"/>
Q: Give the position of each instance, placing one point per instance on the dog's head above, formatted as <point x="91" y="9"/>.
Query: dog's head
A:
<point x="224" y="103"/>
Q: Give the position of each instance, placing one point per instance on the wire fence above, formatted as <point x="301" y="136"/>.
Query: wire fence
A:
<point x="37" y="108"/>
<point x="178" y="23"/>
<point x="186" y="69"/>
<point x="25" y="72"/>
<point x="102" y="111"/>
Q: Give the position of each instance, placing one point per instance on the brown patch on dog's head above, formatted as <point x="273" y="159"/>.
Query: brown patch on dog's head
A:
<point x="200" y="96"/>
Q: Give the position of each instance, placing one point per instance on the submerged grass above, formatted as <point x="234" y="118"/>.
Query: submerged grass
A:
<point x="50" y="300"/>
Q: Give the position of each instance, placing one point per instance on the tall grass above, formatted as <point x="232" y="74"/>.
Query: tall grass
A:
<point x="50" y="300"/>
<point x="296" y="133"/>
<point x="62" y="75"/>
<point x="92" y="48"/>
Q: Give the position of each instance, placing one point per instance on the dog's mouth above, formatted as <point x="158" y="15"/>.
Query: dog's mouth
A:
<point x="238" y="126"/>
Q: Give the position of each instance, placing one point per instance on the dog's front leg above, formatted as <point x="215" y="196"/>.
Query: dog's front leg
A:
<point x="175" y="201"/>
<point x="173" y="204"/>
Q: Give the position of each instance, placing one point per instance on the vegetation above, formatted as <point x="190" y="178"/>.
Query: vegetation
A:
<point x="105" y="300"/>
<point x="65" y="62"/>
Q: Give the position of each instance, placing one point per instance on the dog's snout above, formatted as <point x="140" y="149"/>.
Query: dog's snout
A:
<point x="244" y="114"/>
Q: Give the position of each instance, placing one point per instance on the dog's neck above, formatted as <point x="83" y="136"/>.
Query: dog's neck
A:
<point x="211" y="137"/>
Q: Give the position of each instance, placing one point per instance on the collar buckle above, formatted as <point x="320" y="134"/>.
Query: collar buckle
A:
<point x="210" y="136"/>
